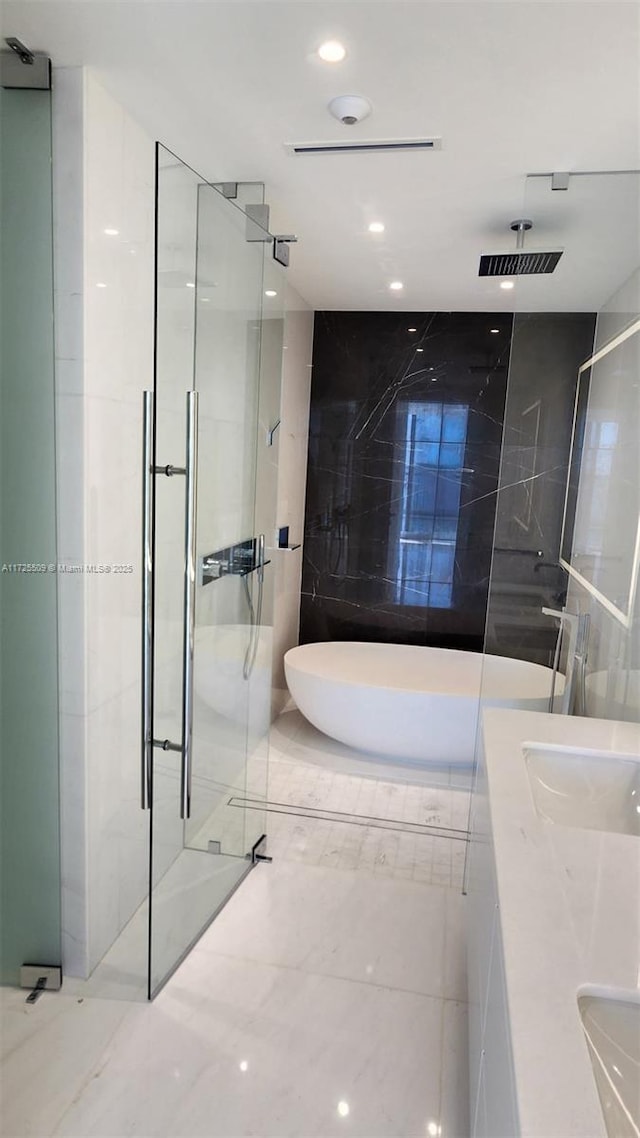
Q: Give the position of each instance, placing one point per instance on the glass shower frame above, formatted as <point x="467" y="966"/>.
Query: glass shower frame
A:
<point x="207" y="806"/>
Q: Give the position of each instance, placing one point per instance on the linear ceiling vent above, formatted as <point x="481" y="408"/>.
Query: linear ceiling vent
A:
<point x="368" y="146"/>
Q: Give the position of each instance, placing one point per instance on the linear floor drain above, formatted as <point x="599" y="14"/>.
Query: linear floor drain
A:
<point x="423" y="830"/>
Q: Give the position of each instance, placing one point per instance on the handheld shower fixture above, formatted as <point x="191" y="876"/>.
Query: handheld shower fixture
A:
<point x="519" y="262"/>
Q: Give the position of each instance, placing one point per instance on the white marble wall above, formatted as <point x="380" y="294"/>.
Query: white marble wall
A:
<point x="293" y="439"/>
<point x="492" y="1105"/>
<point x="104" y="180"/>
<point x="104" y="169"/>
<point x="613" y="681"/>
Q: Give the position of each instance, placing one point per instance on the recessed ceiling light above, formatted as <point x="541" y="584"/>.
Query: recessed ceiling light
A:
<point x="376" y="227"/>
<point x="494" y="331"/>
<point x="434" y="379"/>
<point x="270" y="292"/>
<point x="343" y="1109"/>
<point x="419" y="349"/>
<point x="332" y="51"/>
<point x="412" y="329"/>
<point x="191" y="284"/>
<point x="100" y="284"/>
<point x="506" y="284"/>
<point x="396" y="286"/>
<point x="112" y="232"/>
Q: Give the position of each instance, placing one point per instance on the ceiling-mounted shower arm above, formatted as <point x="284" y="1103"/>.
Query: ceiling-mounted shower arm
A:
<point x="519" y="261"/>
<point x="521" y="226"/>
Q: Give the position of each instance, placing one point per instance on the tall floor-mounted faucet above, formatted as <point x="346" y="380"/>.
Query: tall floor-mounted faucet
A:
<point x="574" y="695"/>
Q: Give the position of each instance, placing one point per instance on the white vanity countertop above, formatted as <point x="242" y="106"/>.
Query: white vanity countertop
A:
<point x="569" y="904"/>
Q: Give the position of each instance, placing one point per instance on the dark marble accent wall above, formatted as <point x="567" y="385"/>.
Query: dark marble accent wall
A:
<point x="404" y="455"/>
<point x="546" y="352"/>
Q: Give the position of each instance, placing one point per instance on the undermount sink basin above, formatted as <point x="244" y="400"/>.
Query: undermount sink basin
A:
<point x="593" y="790"/>
<point x="611" y="1025"/>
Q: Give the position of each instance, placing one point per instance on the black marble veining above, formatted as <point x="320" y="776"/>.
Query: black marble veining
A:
<point x="405" y="447"/>
<point x="546" y="352"/>
<point x="404" y="454"/>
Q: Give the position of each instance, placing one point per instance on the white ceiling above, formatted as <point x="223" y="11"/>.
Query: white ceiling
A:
<point x="511" y="87"/>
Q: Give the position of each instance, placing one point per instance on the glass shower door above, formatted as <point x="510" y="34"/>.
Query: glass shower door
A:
<point x="208" y="348"/>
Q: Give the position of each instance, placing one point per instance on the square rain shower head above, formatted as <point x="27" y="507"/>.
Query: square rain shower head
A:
<point x="518" y="263"/>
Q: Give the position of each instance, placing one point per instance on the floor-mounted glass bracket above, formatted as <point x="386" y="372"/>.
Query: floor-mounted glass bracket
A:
<point x="272" y="432"/>
<point x="40" y="978"/>
<point x="21" y="67"/>
<point x="258" y="851"/>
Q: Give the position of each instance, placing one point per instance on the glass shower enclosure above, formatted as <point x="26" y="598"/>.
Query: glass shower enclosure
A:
<point x="30" y="930"/>
<point x="207" y="574"/>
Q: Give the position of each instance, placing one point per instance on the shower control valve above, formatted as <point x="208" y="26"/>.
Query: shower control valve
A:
<point x="211" y="569"/>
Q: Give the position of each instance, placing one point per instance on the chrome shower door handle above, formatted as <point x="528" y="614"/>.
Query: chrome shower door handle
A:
<point x="147" y="597"/>
<point x="189" y="613"/>
<point x="261" y="556"/>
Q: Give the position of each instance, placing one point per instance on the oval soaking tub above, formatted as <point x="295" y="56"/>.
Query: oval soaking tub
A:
<point x="408" y="702"/>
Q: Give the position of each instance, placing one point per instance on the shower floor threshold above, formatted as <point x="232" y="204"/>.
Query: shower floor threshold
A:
<point x="400" y="826"/>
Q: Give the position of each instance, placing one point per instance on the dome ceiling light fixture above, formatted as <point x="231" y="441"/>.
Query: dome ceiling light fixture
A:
<point x="350" y="109"/>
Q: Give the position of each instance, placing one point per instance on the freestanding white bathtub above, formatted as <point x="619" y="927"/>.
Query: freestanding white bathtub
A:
<point x="408" y="702"/>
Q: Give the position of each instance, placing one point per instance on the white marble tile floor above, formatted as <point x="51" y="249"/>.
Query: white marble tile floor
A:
<point x="327" y="998"/>
<point x="319" y="1003"/>
<point x="386" y="819"/>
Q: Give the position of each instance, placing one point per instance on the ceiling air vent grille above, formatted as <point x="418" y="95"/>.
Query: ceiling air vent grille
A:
<point x="367" y="146"/>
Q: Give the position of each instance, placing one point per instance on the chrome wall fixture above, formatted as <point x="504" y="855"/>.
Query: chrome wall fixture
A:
<point x="573" y="697"/>
<point x="234" y="560"/>
<point x="190" y="473"/>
